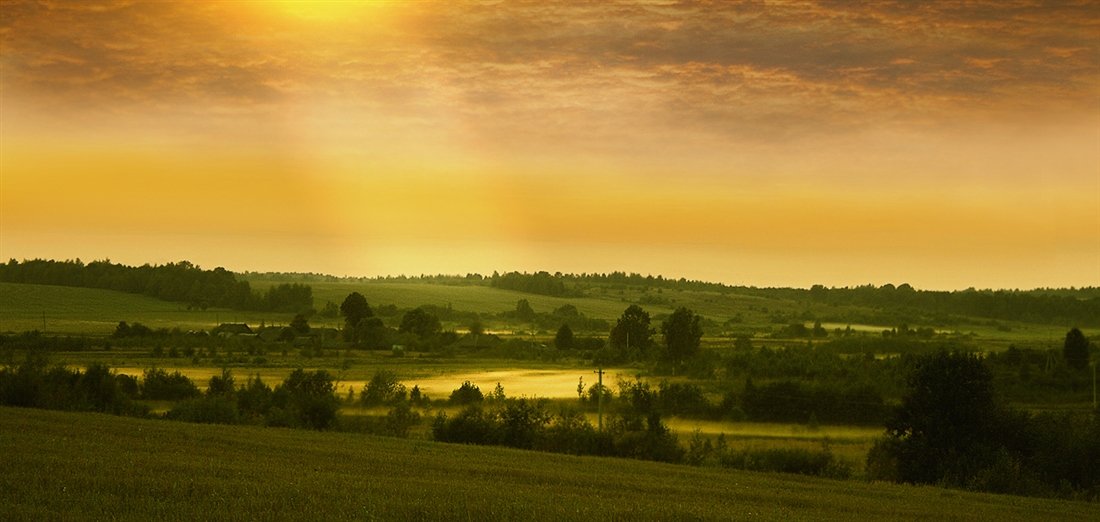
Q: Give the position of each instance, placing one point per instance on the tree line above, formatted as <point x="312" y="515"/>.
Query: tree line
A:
<point x="181" y="282"/>
<point x="187" y="283"/>
<point x="1046" y="306"/>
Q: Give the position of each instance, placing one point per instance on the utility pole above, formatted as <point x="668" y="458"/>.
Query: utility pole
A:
<point x="599" y="397"/>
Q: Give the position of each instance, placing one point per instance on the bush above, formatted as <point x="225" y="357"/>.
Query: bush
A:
<point x="682" y="399"/>
<point x="305" y="399"/>
<point x="254" y="400"/>
<point x="468" y="393"/>
<point x="159" y="385"/>
<point x="211" y="409"/>
<point x="383" y="388"/>
<point x="97" y="388"/>
<point x="790" y="401"/>
<point x="472" y="425"/>
<point x="400" y="419"/>
<point x="570" y="432"/>
<point x="522" y="423"/>
<point x="648" y="440"/>
<point x="820" y="463"/>
<point x="222" y="384"/>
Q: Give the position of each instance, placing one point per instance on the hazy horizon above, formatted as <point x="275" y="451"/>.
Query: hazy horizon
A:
<point x="944" y="145"/>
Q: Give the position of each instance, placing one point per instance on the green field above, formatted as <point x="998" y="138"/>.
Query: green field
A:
<point x="86" y="311"/>
<point x="87" y="466"/>
<point x="89" y="311"/>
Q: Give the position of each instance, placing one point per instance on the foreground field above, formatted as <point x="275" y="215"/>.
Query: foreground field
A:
<point x="88" y="466"/>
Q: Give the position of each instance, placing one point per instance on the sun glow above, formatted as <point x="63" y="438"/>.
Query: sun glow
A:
<point x="328" y="11"/>
<point x="402" y="136"/>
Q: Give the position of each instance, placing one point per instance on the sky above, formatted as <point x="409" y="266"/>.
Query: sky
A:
<point x="943" y="144"/>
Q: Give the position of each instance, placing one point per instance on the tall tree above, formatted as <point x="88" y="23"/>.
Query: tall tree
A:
<point x="946" y="427"/>
<point x="355" y="309"/>
<point x="420" y="322"/>
<point x="632" y="329"/>
<point x="564" y="339"/>
<point x="300" y="324"/>
<point x="524" y="312"/>
<point x="682" y="331"/>
<point x="1076" y="349"/>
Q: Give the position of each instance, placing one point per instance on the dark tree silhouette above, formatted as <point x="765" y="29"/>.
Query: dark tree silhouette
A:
<point x="946" y="428"/>
<point x="1076" y="349"/>
<point x="308" y="398"/>
<point x="300" y="325"/>
<point x="632" y="329"/>
<point x="420" y="323"/>
<point x="564" y="338"/>
<point x="355" y="309"/>
<point x="524" y="312"/>
<point x="682" y="332"/>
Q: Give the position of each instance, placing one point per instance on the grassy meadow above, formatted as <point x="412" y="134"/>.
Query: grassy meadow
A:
<point x="65" y="310"/>
<point x="276" y="473"/>
<point x="77" y="466"/>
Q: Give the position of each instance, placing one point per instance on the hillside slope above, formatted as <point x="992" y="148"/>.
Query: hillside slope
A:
<point x="88" y="466"/>
<point x="93" y="311"/>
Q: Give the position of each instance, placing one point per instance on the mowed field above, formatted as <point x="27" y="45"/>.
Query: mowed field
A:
<point x="78" y="466"/>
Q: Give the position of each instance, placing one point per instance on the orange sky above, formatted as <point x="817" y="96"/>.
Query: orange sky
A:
<point x="945" y="145"/>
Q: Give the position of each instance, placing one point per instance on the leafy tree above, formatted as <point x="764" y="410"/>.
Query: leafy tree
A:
<point x="355" y="309"/>
<point x="946" y="427"/>
<point x="373" y="333"/>
<point x="567" y="311"/>
<point x="524" y="312"/>
<point x="222" y="384"/>
<point x="682" y="332"/>
<point x="288" y="297"/>
<point x="468" y="393"/>
<point x="476" y="328"/>
<point x="300" y="325"/>
<point x="564" y="338"/>
<point x="383" y="388"/>
<point x="521" y="423"/>
<point x="308" y="399"/>
<point x="400" y="419"/>
<point x="1076" y="349"/>
<point x="421" y="323"/>
<point x="122" y="330"/>
<point x="415" y="396"/>
<point x="632" y="329"/>
<point x="254" y="399"/>
<point x="159" y="385"/>
<point x="330" y="310"/>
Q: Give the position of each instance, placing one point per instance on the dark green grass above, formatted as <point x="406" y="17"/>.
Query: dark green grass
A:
<point x="87" y="311"/>
<point x="92" y="311"/>
<point x="71" y="466"/>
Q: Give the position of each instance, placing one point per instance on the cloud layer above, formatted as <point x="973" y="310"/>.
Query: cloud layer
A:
<point x="886" y="122"/>
<point x="575" y="73"/>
